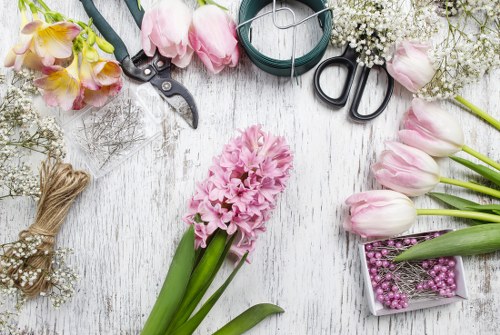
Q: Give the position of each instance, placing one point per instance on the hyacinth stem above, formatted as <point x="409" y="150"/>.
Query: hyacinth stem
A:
<point x="471" y="186"/>
<point x="479" y="112"/>
<point x="491" y="218"/>
<point x="481" y="157"/>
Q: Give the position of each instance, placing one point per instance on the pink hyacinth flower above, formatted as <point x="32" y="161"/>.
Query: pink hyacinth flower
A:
<point x="407" y="170"/>
<point x="381" y="213"/>
<point x="241" y="189"/>
<point x="216" y="46"/>
<point x="165" y="27"/>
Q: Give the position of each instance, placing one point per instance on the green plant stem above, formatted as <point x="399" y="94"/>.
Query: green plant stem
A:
<point x="481" y="157"/>
<point x="479" y="112"/>
<point x="491" y="218"/>
<point x="471" y="186"/>
<point x="44" y="5"/>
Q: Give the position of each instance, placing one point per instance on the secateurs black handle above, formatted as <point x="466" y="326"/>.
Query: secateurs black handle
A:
<point x="137" y="13"/>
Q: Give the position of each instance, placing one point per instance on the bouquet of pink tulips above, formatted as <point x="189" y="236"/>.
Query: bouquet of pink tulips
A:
<point x="410" y="170"/>
<point x="226" y="215"/>
<point x="74" y="74"/>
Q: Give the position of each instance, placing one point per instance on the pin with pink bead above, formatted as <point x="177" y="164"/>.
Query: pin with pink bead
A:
<point x="395" y="287"/>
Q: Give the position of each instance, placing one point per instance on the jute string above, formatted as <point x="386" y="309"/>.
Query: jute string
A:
<point x="60" y="184"/>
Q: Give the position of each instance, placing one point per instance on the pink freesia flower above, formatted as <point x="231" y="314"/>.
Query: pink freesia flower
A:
<point x="431" y="129"/>
<point x="61" y="86"/>
<point x="407" y="170"/>
<point x="165" y="27"/>
<point x="217" y="46"/>
<point x="411" y="66"/>
<point x="241" y="189"/>
<point x="100" y="80"/>
<point x="381" y="213"/>
<point x="48" y="41"/>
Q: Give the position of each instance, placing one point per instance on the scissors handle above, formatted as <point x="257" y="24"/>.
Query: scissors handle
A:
<point x="350" y="65"/>
<point x="363" y="78"/>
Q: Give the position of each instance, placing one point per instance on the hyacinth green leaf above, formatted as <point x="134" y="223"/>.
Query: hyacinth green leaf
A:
<point x="480" y="239"/>
<point x="249" y="319"/>
<point x="484" y="171"/>
<point x="201" y="277"/>
<point x="190" y="326"/>
<point x="174" y="287"/>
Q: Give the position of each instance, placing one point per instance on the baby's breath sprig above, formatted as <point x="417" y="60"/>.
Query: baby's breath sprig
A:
<point x="373" y="27"/>
<point x="470" y="49"/>
<point x="17" y="274"/>
<point x="24" y="131"/>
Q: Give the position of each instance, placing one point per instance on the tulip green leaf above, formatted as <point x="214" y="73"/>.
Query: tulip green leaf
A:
<point x="173" y="288"/>
<point x="249" y="319"/>
<point x="480" y="239"/>
<point x="458" y="203"/>
<point x="495" y="209"/>
<point x="190" y="326"/>
<point x="453" y="201"/>
<point x="484" y="171"/>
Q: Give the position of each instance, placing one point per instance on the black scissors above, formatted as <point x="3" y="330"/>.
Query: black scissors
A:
<point x="155" y="70"/>
<point x="349" y="60"/>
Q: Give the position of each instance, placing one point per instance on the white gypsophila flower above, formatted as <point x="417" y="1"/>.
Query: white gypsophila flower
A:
<point x="16" y="273"/>
<point x="24" y="131"/>
<point x="373" y="27"/>
<point x="470" y="49"/>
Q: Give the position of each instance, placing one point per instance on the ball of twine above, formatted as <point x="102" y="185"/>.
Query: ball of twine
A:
<point x="60" y="184"/>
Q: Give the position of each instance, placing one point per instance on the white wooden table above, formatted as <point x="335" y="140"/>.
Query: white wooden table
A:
<point x="125" y="227"/>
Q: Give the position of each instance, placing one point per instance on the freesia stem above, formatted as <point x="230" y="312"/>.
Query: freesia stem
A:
<point x="481" y="157"/>
<point x="491" y="218"/>
<point x="471" y="186"/>
<point x="479" y="112"/>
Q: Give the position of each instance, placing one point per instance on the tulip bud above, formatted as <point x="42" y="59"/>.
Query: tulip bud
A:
<point x="411" y="66"/>
<point x="104" y="45"/>
<point x="431" y="129"/>
<point x="216" y="47"/>
<point x="165" y="28"/>
<point x="407" y="170"/>
<point x="380" y="213"/>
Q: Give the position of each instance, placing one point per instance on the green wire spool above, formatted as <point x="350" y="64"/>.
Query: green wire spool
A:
<point x="279" y="67"/>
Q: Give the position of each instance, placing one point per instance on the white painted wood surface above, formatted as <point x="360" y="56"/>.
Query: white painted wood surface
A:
<point x="125" y="227"/>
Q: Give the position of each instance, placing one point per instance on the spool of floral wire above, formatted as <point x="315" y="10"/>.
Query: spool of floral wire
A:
<point x="249" y="11"/>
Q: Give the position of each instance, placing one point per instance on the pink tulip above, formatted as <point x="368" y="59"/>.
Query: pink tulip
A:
<point x="407" y="170"/>
<point x="165" y="27"/>
<point x="379" y="213"/>
<point x="100" y="80"/>
<point x="411" y="66"/>
<point x="431" y="129"/>
<point x="213" y="38"/>
<point x="61" y="86"/>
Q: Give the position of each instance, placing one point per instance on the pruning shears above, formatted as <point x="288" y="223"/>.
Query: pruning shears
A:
<point x="155" y="70"/>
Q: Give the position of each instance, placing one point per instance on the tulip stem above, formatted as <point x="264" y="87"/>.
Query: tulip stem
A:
<point x="479" y="112"/>
<point x="481" y="157"/>
<point x="491" y="218"/>
<point x="471" y="186"/>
